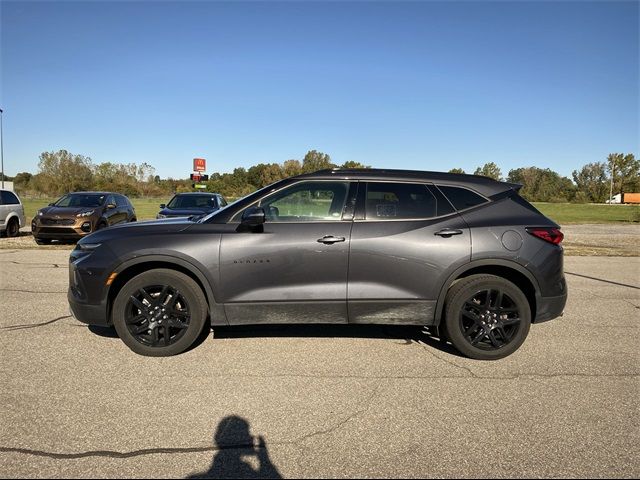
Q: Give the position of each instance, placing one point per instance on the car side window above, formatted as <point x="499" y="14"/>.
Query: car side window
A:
<point x="307" y="202"/>
<point x="8" y="198"/>
<point x="462" y="198"/>
<point x="399" y="201"/>
<point x="110" y="200"/>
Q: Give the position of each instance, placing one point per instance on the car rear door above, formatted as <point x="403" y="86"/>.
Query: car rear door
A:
<point x="294" y="269"/>
<point x="406" y="239"/>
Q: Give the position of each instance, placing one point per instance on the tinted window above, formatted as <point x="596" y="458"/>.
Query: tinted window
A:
<point x="8" y="198"/>
<point x="121" y="201"/>
<point x="462" y="198"/>
<point x="307" y="202"/>
<point x="81" y="200"/>
<point x="389" y="201"/>
<point x="192" y="201"/>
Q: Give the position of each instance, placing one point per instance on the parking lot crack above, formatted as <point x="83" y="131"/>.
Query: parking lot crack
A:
<point x="11" y="328"/>
<point x="28" y="291"/>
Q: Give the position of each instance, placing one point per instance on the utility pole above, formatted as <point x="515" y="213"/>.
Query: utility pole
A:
<point x="613" y="170"/>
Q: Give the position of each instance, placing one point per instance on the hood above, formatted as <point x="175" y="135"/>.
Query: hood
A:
<point x="185" y="212"/>
<point x="135" y="229"/>
<point x="65" y="212"/>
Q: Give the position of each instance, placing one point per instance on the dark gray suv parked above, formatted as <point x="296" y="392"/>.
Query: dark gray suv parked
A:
<point x="462" y="253"/>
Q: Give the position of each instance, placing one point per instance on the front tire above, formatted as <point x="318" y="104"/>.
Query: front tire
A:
<point x="486" y="317"/>
<point x="159" y="313"/>
<point x="42" y="241"/>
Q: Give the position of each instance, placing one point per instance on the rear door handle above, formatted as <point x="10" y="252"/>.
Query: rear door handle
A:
<point x="447" y="232"/>
<point x="329" y="239"/>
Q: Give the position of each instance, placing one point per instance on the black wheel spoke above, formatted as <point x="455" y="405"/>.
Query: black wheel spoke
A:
<point x="163" y="294"/>
<point x="471" y="329"/>
<point x="141" y="306"/>
<point x="167" y="335"/>
<point x="493" y="339"/>
<point x="146" y="296"/>
<point x="471" y="315"/>
<point x="176" y="323"/>
<point x="510" y="321"/>
<point x="140" y="328"/>
<point x="478" y="337"/>
<point x="137" y="319"/>
<point x="498" y="302"/>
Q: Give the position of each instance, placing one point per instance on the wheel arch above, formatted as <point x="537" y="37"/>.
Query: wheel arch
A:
<point x="133" y="267"/>
<point x="509" y="270"/>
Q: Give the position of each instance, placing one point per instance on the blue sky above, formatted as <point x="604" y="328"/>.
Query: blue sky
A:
<point x="419" y="85"/>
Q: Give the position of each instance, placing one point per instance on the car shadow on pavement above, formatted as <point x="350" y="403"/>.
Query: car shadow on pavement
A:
<point x="238" y="453"/>
<point x="409" y="334"/>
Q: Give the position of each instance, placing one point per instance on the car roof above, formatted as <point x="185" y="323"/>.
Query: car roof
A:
<point x="197" y="193"/>
<point x="484" y="185"/>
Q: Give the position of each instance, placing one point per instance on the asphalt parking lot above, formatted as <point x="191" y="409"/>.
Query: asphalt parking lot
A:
<point x="319" y="401"/>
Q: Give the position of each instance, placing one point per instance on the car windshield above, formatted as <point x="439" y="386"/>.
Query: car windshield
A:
<point x="81" y="200"/>
<point x="203" y="202"/>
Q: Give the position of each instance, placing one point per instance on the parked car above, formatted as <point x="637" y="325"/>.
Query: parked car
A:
<point x="78" y="214"/>
<point x="187" y="204"/>
<point x="462" y="254"/>
<point x="11" y="213"/>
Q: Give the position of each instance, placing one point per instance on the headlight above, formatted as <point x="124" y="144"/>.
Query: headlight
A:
<point x="40" y="213"/>
<point x="82" y="250"/>
<point x="85" y="214"/>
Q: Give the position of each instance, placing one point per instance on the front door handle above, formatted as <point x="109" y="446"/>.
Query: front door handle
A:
<point x="447" y="232"/>
<point x="329" y="239"/>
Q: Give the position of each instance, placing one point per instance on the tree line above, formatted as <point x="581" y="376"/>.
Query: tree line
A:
<point x="61" y="172"/>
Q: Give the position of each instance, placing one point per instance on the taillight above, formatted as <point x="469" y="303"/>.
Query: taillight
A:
<point x="548" y="234"/>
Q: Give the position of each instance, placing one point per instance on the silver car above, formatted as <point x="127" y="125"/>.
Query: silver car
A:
<point x="11" y="213"/>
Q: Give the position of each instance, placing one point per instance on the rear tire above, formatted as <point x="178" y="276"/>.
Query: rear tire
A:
<point x="42" y="241"/>
<point x="13" y="228"/>
<point x="160" y="312"/>
<point x="486" y="317"/>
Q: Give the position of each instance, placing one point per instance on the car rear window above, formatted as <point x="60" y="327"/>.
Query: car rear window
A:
<point x="462" y="198"/>
<point x="8" y="198"/>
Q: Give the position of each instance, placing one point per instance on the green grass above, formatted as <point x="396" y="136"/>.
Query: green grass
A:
<point x="565" y="213"/>
<point x="562" y="213"/>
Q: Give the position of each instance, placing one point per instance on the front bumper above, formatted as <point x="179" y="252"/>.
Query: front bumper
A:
<point x="86" y="313"/>
<point x="78" y="229"/>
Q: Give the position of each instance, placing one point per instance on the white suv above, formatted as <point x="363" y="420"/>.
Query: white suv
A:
<point x="11" y="213"/>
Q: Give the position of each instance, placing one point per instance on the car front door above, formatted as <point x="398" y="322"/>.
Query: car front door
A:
<point x="406" y="237"/>
<point x="293" y="268"/>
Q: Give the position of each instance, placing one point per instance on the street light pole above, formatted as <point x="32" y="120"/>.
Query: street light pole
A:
<point x="1" y="149"/>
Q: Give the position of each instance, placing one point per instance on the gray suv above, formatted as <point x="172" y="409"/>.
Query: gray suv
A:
<point x="11" y="213"/>
<point x="463" y="254"/>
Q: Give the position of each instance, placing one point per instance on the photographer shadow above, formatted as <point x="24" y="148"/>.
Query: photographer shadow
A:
<point x="239" y="454"/>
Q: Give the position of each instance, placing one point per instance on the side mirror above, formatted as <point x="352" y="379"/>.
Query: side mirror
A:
<point x="253" y="216"/>
<point x="110" y="206"/>
<point x="163" y="205"/>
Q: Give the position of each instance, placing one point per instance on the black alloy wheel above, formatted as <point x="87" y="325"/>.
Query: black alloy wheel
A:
<point x="486" y="317"/>
<point x="159" y="312"/>
<point x="157" y="315"/>
<point x="490" y="319"/>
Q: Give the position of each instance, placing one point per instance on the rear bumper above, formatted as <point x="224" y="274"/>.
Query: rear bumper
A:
<point x="549" y="308"/>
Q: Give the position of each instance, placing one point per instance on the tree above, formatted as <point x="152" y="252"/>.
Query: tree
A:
<point x="625" y="171"/>
<point x="264" y="174"/>
<point x="21" y="181"/>
<point x="314" y="161"/>
<point x="353" y="164"/>
<point x="291" y="168"/>
<point x="490" y="170"/>
<point x="542" y="185"/>
<point x="592" y="182"/>
<point x="65" y="171"/>
<point x="459" y="170"/>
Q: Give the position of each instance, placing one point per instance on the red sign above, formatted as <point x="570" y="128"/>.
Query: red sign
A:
<point x="199" y="165"/>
